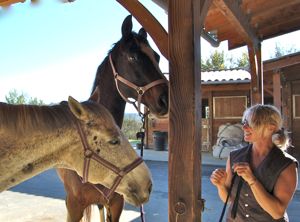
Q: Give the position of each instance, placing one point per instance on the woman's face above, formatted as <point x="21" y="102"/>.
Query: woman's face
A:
<point x="252" y="134"/>
<point x="249" y="133"/>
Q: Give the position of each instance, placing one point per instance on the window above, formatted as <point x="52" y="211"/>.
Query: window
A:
<point x="296" y="106"/>
<point x="229" y="107"/>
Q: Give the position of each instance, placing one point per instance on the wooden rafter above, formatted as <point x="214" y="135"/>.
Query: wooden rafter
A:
<point x="257" y="93"/>
<point x="280" y="28"/>
<point x="283" y="62"/>
<point x="263" y="8"/>
<point x="204" y="6"/>
<point x="232" y="11"/>
<point x="276" y="17"/>
<point x="6" y="3"/>
<point x="277" y="90"/>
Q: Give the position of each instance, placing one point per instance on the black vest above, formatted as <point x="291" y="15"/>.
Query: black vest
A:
<point x="267" y="173"/>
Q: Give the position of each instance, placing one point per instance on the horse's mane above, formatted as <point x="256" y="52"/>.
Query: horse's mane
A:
<point x="26" y="118"/>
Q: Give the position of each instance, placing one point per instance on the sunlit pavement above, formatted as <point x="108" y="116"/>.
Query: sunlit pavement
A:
<point x="42" y="197"/>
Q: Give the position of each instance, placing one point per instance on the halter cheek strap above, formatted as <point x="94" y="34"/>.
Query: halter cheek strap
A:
<point x="90" y="154"/>
<point x="139" y="89"/>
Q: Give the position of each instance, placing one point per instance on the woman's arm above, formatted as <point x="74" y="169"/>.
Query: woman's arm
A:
<point x="221" y="178"/>
<point x="284" y="190"/>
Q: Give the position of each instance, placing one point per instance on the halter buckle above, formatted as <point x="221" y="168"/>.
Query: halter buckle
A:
<point x="88" y="153"/>
<point x="122" y="173"/>
<point x="140" y="91"/>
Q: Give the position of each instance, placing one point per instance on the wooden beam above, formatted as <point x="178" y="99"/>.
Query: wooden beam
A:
<point x="7" y="3"/>
<point x="149" y="22"/>
<point x="232" y="11"/>
<point x="225" y="87"/>
<point x="274" y="17"/>
<point x="277" y="90"/>
<point x="256" y="75"/>
<point x="260" y="73"/>
<point x="263" y="9"/>
<point x="185" y="111"/>
<point x="204" y="6"/>
<point x="282" y="62"/>
<point x="269" y="91"/>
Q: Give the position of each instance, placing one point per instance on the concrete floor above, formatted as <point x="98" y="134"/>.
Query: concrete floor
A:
<point x="42" y="197"/>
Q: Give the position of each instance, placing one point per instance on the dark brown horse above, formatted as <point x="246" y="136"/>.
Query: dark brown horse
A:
<point x="130" y="70"/>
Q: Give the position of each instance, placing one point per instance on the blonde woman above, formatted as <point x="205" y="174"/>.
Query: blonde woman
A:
<point x="265" y="176"/>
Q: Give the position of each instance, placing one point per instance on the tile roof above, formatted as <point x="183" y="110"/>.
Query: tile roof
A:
<point x="224" y="76"/>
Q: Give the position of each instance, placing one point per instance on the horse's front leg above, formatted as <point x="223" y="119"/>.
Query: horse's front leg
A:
<point x="114" y="208"/>
<point x="74" y="210"/>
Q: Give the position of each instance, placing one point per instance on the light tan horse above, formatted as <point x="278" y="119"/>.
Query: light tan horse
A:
<point x="36" y="138"/>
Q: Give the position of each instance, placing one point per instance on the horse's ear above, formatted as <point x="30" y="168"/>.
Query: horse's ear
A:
<point x="77" y="109"/>
<point x="95" y="97"/>
<point x="127" y="26"/>
<point x="143" y="33"/>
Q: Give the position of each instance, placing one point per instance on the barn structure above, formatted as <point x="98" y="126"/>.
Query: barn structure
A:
<point x="225" y="94"/>
<point x="240" y="22"/>
<point x="223" y="90"/>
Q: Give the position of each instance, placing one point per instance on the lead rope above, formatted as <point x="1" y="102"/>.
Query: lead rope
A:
<point x="227" y="198"/>
<point x="141" y="135"/>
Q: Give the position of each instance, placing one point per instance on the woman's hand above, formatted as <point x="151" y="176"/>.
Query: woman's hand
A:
<point x="218" y="177"/>
<point x="243" y="170"/>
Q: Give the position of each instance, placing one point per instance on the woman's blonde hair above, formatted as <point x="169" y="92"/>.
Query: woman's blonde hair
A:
<point x="259" y="116"/>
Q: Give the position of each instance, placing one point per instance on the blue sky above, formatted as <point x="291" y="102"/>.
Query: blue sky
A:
<point x="52" y="50"/>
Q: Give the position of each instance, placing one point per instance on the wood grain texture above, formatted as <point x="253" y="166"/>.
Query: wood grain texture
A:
<point x="185" y="111"/>
<point x="256" y="74"/>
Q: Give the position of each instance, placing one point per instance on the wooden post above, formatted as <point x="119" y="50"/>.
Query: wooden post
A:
<point x="277" y="90"/>
<point x="185" y="111"/>
<point x="256" y="67"/>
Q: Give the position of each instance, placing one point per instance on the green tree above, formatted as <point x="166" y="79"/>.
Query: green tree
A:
<point x="14" y="97"/>
<point x="131" y="126"/>
<point x="216" y="61"/>
<point x="243" y="61"/>
<point x="281" y="50"/>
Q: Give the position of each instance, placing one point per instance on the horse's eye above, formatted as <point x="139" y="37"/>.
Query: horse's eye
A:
<point x="132" y="58"/>
<point x="114" y="141"/>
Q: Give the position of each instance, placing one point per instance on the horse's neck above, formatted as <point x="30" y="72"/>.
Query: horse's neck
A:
<point x="24" y="156"/>
<point x="109" y="95"/>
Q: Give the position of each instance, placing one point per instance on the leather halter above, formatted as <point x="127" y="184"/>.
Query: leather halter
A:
<point x="139" y="89"/>
<point x="90" y="154"/>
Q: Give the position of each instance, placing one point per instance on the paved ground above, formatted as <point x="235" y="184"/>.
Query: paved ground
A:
<point x="42" y="197"/>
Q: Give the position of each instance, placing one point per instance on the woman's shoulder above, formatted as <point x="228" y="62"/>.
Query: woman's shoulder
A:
<point x="291" y="158"/>
<point x="283" y="157"/>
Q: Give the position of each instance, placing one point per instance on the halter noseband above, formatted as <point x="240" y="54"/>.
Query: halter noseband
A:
<point x="90" y="154"/>
<point x="139" y="89"/>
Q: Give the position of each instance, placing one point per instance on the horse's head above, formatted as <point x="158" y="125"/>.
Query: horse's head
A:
<point x="109" y="152"/>
<point x="135" y="61"/>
